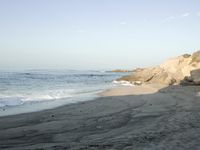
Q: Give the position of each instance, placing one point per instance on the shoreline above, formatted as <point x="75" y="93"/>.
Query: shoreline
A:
<point x="118" y="90"/>
<point x="159" y="117"/>
<point x="44" y="105"/>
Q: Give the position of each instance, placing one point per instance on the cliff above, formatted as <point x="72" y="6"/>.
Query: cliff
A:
<point x="184" y="69"/>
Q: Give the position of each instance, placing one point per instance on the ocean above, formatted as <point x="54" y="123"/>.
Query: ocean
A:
<point x="44" y="89"/>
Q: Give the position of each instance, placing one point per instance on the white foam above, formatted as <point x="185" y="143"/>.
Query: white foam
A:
<point x="10" y="101"/>
<point x="19" y="99"/>
<point x="42" y="105"/>
<point x="124" y="83"/>
<point x="50" y="95"/>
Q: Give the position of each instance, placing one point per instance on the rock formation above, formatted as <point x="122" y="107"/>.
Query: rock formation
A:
<point x="183" y="69"/>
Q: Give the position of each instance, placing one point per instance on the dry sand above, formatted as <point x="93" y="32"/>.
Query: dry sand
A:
<point x="149" y="117"/>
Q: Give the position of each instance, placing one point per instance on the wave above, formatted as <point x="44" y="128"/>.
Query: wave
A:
<point x="14" y="100"/>
<point x="20" y="87"/>
<point x="124" y="83"/>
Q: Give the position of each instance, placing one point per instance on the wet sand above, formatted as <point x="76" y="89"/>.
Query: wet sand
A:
<point x="149" y="117"/>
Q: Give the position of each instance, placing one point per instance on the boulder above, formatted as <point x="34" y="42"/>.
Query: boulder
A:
<point x="195" y="76"/>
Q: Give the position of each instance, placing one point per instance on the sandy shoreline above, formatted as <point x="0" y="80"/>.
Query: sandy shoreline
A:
<point x="140" y="118"/>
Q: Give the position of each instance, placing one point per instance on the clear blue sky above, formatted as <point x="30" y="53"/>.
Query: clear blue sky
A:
<point x="96" y="34"/>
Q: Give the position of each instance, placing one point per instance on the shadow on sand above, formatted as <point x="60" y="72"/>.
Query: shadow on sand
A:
<point x="168" y="119"/>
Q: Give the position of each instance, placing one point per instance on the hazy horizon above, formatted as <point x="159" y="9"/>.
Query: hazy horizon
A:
<point x="96" y="35"/>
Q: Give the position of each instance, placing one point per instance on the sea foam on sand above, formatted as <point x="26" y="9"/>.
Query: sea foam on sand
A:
<point x="124" y="83"/>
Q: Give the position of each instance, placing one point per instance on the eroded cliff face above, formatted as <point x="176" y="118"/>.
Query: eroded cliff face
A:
<point x="183" y="69"/>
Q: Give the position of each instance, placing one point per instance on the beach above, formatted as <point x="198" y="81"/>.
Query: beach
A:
<point x="99" y="75"/>
<point x="143" y="117"/>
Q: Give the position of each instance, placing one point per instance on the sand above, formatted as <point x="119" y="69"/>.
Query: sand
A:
<point x="148" y="117"/>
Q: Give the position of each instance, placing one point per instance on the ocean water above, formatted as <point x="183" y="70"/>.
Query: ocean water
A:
<point x="55" y="87"/>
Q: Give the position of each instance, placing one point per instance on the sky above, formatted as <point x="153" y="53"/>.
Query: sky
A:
<point x="96" y="34"/>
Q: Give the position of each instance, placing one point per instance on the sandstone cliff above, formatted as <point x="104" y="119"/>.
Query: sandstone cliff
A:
<point x="183" y="69"/>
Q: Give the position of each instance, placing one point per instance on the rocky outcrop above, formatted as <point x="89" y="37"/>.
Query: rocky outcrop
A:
<point x="195" y="76"/>
<point x="182" y="69"/>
